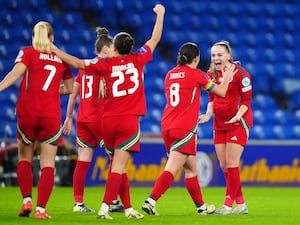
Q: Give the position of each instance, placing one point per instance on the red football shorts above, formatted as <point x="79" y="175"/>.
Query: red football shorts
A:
<point x="42" y="129"/>
<point x="180" y="140"/>
<point x="121" y="132"/>
<point x="238" y="135"/>
<point x="88" y="134"/>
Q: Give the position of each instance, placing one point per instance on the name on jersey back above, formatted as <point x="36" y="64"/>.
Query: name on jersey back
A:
<point x="177" y="75"/>
<point x="50" y="57"/>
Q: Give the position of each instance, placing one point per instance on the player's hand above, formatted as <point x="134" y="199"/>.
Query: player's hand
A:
<point x="53" y="47"/>
<point x="229" y="72"/>
<point x="159" y="9"/>
<point x="67" y="127"/>
<point x="233" y="120"/>
<point x="204" y="118"/>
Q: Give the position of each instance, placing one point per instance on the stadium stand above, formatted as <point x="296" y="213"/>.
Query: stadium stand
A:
<point x="264" y="36"/>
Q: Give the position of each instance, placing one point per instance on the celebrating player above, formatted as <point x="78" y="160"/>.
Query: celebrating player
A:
<point x="180" y="123"/>
<point x="125" y="104"/>
<point x="39" y="113"/>
<point x="232" y="120"/>
<point x="90" y="88"/>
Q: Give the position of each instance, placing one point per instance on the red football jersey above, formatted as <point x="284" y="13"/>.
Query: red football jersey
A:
<point x="182" y="88"/>
<point x="91" y="104"/>
<point x="239" y="92"/>
<point x="124" y="82"/>
<point x="39" y="89"/>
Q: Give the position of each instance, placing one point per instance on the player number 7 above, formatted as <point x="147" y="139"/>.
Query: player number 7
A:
<point x="50" y="77"/>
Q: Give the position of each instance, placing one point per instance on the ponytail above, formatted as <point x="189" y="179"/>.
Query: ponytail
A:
<point x="41" y="37"/>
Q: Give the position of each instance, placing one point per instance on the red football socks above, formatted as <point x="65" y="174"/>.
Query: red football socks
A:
<point x="112" y="187"/>
<point x="162" y="184"/>
<point x="25" y="178"/>
<point x="233" y="184"/>
<point x="45" y="186"/>
<point x="124" y="191"/>
<point x="79" y="177"/>
<point x="193" y="187"/>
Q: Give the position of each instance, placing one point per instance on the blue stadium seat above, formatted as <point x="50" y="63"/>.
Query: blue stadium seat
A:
<point x="73" y="21"/>
<point x="262" y="132"/>
<point x="271" y="9"/>
<point x="263" y="116"/>
<point x="13" y="98"/>
<point x="28" y="19"/>
<point x="157" y="100"/>
<point x="12" y="5"/>
<point x="260" y="83"/>
<point x="278" y="86"/>
<point x="282" y="117"/>
<point x="10" y="114"/>
<point x="39" y="6"/>
<point x="26" y="36"/>
<point x="288" y="10"/>
<point x="297" y="116"/>
<point x="76" y="5"/>
<point x="92" y="5"/>
<point x="155" y="115"/>
<point x="263" y="102"/>
<point x="5" y="36"/>
<point x="284" y="132"/>
<point x="252" y="9"/>
<point x="159" y="84"/>
<point x="295" y="101"/>
<point x="195" y="8"/>
<point x="296" y="130"/>
<point x="150" y="127"/>
<point x="9" y="129"/>
<point x="3" y="51"/>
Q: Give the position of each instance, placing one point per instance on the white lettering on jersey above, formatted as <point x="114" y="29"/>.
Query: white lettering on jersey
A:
<point x="122" y="67"/>
<point x="177" y="75"/>
<point x="54" y="58"/>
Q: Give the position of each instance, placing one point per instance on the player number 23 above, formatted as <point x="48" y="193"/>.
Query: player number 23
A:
<point x="133" y="73"/>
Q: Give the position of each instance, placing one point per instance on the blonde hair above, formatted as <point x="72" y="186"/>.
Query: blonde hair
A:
<point x="212" y="67"/>
<point x="41" y="36"/>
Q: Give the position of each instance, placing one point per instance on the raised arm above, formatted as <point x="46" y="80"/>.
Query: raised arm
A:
<point x="67" y="58"/>
<point x="158" y="27"/>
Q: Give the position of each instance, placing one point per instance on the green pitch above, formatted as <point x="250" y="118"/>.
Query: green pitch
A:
<point x="266" y="205"/>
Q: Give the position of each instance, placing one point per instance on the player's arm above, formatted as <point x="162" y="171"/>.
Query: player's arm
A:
<point x="228" y="74"/>
<point x="158" y="27"/>
<point x="67" y="87"/>
<point x="67" y="127"/>
<point x="67" y="58"/>
<point x="12" y="76"/>
<point x="245" y="102"/>
<point x="242" y="110"/>
<point x="209" y="112"/>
